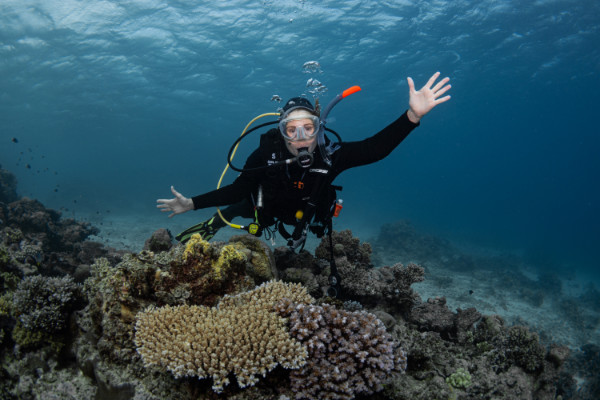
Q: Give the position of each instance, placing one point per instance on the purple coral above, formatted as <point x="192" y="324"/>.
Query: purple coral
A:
<point x="350" y="353"/>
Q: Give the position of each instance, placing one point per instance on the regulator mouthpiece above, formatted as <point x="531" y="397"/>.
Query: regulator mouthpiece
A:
<point x="305" y="158"/>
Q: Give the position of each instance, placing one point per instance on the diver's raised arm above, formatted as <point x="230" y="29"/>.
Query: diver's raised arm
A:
<point x="178" y="205"/>
<point x="425" y="99"/>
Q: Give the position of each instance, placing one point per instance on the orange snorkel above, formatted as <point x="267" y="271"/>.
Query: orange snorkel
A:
<point x="327" y="150"/>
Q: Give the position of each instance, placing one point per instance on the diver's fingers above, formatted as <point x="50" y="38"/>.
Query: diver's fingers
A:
<point x="411" y="85"/>
<point x="431" y="80"/>
<point x="439" y="85"/>
<point x="175" y="192"/>
<point x="164" y="203"/>
<point x="444" y="90"/>
<point x="443" y="99"/>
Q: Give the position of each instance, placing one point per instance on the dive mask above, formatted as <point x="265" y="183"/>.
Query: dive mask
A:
<point x="293" y="130"/>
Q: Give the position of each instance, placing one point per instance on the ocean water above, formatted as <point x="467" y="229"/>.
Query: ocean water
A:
<point x="106" y="104"/>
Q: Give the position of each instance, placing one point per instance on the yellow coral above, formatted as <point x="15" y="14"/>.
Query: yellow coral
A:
<point x="228" y="256"/>
<point x="196" y="245"/>
<point x="245" y="339"/>
<point x="261" y="260"/>
<point x="198" y="249"/>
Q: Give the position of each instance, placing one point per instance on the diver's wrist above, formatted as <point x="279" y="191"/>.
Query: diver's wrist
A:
<point x="412" y="117"/>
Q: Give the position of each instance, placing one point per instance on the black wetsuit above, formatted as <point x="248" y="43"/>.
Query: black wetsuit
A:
<point x="286" y="189"/>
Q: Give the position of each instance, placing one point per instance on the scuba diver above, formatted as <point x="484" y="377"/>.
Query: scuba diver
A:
<point x="288" y="180"/>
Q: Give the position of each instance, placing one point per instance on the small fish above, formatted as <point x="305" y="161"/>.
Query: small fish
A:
<point x="276" y="98"/>
<point x="471" y="292"/>
<point x="14" y="140"/>
<point x="27" y="166"/>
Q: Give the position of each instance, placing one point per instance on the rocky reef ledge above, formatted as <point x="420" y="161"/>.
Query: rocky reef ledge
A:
<point x="79" y="320"/>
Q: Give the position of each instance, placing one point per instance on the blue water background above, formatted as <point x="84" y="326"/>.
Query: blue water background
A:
<point x="114" y="101"/>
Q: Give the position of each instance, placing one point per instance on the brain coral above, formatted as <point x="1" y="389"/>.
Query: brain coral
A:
<point x="242" y="335"/>
<point x="350" y="353"/>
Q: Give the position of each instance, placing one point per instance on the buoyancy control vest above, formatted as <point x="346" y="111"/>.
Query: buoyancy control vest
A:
<point x="289" y="189"/>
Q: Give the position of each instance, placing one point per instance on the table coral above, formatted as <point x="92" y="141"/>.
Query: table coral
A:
<point x="242" y="335"/>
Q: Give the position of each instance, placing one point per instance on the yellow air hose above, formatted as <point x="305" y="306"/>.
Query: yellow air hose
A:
<point x="231" y="159"/>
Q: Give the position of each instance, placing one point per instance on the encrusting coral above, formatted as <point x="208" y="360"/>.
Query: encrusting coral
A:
<point x="242" y="335"/>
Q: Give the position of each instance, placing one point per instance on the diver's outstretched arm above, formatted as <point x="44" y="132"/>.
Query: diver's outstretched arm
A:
<point x="424" y="100"/>
<point x="178" y="205"/>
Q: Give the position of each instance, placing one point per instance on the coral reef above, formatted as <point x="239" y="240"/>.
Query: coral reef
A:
<point x="46" y="225"/>
<point x="503" y="362"/>
<point x="346" y="245"/>
<point x="44" y="303"/>
<point x="247" y="339"/>
<point x="261" y="267"/>
<point x="198" y="274"/>
<point x="387" y="288"/>
<point x="434" y="315"/>
<point x="461" y="379"/>
<point x="350" y="353"/>
<point x="36" y="240"/>
<point x="200" y="304"/>
<point x="301" y="268"/>
<point x="161" y="240"/>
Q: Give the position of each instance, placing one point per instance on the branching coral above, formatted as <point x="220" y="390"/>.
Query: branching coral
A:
<point x="43" y="304"/>
<point x="267" y="295"/>
<point x="350" y="353"/>
<point x="242" y="335"/>
<point x="346" y="245"/>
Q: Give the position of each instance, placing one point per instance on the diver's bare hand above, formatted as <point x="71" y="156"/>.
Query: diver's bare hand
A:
<point x="424" y="100"/>
<point x="178" y="205"/>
